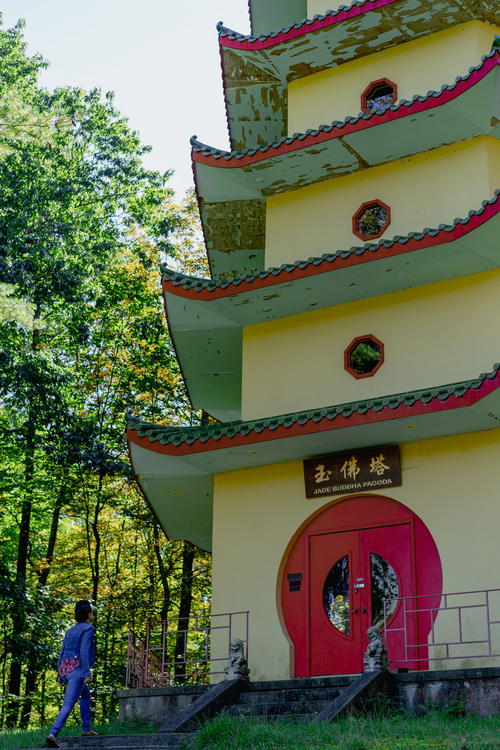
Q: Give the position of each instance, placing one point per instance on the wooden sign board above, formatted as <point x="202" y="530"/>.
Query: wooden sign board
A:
<point x="353" y="471"/>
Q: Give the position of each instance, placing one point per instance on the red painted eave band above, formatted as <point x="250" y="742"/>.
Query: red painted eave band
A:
<point x="362" y="124"/>
<point x="284" y="276"/>
<point x="324" y="23"/>
<point x="403" y="411"/>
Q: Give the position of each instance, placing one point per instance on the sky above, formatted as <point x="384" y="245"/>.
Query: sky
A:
<point x="160" y="57"/>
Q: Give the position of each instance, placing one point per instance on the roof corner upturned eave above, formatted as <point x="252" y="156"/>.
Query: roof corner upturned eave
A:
<point x="263" y="64"/>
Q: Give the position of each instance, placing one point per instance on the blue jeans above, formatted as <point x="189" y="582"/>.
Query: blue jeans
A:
<point x="75" y="688"/>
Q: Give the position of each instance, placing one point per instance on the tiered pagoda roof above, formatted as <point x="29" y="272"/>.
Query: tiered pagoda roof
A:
<point x="178" y="464"/>
<point x="206" y="317"/>
<point x="175" y="465"/>
<point x="232" y="186"/>
<point x="257" y="69"/>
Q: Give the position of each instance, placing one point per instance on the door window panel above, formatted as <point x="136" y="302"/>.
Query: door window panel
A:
<point x="336" y="595"/>
<point x="384" y="585"/>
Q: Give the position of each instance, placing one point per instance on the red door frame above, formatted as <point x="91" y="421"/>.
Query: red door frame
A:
<point x="352" y="513"/>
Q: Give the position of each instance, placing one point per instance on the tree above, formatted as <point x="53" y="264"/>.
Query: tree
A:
<point x="68" y="203"/>
<point x="186" y="239"/>
<point x="14" y="309"/>
<point x="83" y="228"/>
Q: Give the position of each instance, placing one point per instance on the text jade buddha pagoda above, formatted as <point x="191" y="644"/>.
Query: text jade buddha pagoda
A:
<point x="347" y="341"/>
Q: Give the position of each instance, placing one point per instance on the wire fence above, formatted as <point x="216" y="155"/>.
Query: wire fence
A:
<point x="184" y="650"/>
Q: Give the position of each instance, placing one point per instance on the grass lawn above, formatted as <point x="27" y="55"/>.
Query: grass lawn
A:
<point x="433" y="732"/>
<point x="17" y="740"/>
<point x="436" y="731"/>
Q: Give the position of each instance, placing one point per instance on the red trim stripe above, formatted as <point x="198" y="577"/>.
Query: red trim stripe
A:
<point x="399" y="248"/>
<point x="389" y="115"/>
<point x="472" y="396"/>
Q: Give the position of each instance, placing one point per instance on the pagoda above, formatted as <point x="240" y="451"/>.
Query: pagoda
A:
<point x="346" y="342"/>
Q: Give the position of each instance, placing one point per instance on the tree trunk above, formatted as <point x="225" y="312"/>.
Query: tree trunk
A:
<point x="95" y="569"/>
<point x="92" y="531"/>
<point x="95" y="559"/>
<point x="43" y="696"/>
<point x="33" y="665"/>
<point x="104" y="663"/>
<point x="96" y="578"/>
<point x="18" y="614"/>
<point x="164" y="572"/>
<point x="186" y="598"/>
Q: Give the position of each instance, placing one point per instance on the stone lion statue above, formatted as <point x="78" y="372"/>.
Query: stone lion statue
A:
<point x="376" y="653"/>
<point x="237" y="668"/>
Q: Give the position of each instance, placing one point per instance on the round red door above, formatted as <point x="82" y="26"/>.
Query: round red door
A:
<point x="347" y="561"/>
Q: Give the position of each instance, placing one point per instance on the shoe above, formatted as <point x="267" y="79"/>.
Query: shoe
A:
<point x="51" y="741"/>
<point x="90" y="733"/>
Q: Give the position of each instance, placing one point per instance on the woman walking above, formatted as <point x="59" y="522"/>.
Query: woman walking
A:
<point x="73" y="670"/>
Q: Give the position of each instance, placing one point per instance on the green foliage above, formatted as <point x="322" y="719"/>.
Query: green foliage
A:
<point x="453" y="710"/>
<point x="187" y="240"/>
<point x="373" y="218"/>
<point x="21" y="117"/>
<point x="13" y="309"/>
<point x="364" y="357"/>
<point x="83" y="228"/>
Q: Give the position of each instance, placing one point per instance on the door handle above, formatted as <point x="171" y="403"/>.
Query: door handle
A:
<point x="363" y="611"/>
<point x="355" y="611"/>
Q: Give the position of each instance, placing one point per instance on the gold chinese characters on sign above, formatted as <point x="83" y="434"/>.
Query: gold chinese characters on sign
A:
<point x="354" y="471"/>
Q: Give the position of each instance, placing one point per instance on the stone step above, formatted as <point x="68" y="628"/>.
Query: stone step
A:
<point x="178" y="744"/>
<point x="304" y="683"/>
<point x="289" y="696"/>
<point x="292" y="718"/>
<point x="268" y="709"/>
<point x="128" y="741"/>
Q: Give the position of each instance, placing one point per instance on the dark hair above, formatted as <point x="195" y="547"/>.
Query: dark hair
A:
<point x="82" y="610"/>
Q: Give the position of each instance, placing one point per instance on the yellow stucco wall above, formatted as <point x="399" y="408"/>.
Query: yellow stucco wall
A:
<point x="450" y="483"/>
<point x="435" y="334"/>
<point x="422" y="191"/>
<point x="335" y="94"/>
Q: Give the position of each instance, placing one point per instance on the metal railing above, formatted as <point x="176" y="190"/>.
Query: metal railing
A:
<point x="184" y="650"/>
<point x="459" y="625"/>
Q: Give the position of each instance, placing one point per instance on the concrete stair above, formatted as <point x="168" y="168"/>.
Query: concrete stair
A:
<point x="291" y="700"/>
<point x="295" y="700"/>
<point x="151" y="741"/>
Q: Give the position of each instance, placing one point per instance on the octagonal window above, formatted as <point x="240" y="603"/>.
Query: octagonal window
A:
<point x="378" y="95"/>
<point x="364" y="356"/>
<point x="371" y="220"/>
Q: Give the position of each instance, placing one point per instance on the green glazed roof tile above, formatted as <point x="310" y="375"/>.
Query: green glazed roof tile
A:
<point x="198" y="146"/>
<point x="198" y="284"/>
<point x="201" y="433"/>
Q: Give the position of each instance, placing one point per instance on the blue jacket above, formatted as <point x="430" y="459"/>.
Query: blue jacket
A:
<point x="79" y="643"/>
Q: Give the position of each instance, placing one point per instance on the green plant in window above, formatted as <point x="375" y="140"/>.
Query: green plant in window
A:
<point x="372" y="221"/>
<point x="340" y="613"/>
<point x="365" y="357"/>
